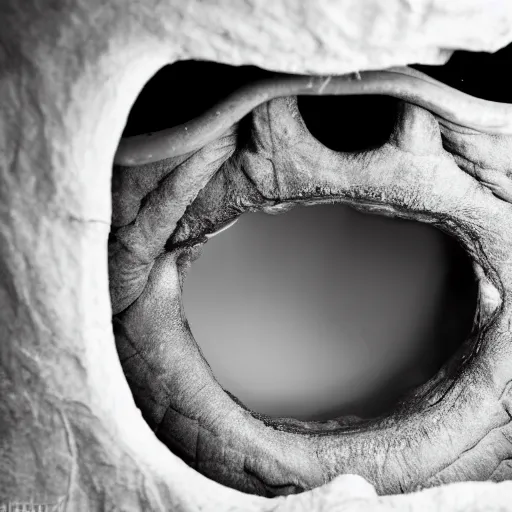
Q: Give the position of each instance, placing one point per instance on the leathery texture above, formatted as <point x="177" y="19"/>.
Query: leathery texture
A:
<point x="456" y="427"/>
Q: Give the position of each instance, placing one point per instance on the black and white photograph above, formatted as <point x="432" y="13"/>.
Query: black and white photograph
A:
<point x="255" y="255"/>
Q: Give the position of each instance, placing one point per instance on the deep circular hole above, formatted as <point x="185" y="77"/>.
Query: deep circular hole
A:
<point x="325" y="311"/>
<point x="349" y="123"/>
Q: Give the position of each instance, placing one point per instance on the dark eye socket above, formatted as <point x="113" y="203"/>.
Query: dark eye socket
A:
<point x="349" y="123"/>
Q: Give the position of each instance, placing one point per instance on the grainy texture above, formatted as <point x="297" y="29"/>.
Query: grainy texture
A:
<point x="69" y="72"/>
<point x="465" y="435"/>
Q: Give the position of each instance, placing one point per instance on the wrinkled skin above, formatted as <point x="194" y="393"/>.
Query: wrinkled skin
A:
<point x="411" y="176"/>
<point x="69" y="426"/>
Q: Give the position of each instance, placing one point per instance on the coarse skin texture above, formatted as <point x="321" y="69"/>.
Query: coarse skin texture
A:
<point x="69" y="72"/>
<point x="451" y="429"/>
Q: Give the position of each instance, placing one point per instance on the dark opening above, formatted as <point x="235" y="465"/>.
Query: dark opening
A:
<point x="325" y="311"/>
<point x="349" y="123"/>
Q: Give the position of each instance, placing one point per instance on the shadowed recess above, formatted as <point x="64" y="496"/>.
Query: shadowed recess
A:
<point x="325" y="311"/>
<point x="349" y="123"/>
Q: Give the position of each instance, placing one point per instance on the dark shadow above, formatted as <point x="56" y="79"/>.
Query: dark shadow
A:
<point x="349" y="123"/>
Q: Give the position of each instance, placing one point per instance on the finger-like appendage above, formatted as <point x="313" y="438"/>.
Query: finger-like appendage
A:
<point x="134" y="247"/>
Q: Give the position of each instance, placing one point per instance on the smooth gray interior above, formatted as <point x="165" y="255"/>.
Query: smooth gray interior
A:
<point x="324" y="310"/>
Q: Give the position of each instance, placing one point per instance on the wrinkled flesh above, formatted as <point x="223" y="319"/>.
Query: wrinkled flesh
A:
<point x="412" y="176"/>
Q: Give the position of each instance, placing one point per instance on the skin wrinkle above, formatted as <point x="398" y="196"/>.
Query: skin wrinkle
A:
<point x="506" y="462"/>
<point x="91" y="45"/>
<point x="500" y="429"/>
<point x="221" y="168"/>
<point x="487" y="462"/>
<point x="209" y="430"/>
<point x="140" y="355"/>
<point x="171" y="178"/>
<point x="368" y="162"/>
<point x="253" y="183"/>
<point x="234" y="193"/>
<point x="507" y="390"/>
<point x="479" y="162"/>
<point x="471" y="448"/>
<point x="278" y="193"/>
<point x="148" y="364"/>
<point x="204" y="462"/>
<point x="133" y="177"/>
<point x="145" y="238"/>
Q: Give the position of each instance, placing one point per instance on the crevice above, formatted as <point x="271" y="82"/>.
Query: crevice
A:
<point x="349" y="124"/>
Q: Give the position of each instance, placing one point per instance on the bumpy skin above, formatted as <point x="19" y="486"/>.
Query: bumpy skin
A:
<point x="69" y="72"/>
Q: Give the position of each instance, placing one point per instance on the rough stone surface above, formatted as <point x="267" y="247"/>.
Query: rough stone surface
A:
<point x="69" y="72"/>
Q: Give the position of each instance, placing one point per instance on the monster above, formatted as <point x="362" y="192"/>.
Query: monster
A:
<point x="89" y="252"/>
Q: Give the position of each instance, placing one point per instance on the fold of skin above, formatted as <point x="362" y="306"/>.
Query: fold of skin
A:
<point x="69" y="72"/>
<point x="455" y="427"/>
